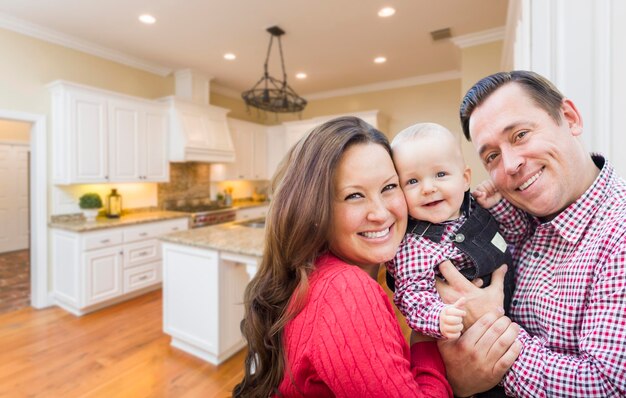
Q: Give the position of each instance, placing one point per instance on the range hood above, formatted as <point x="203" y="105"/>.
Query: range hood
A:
<point x="198" y="131"/>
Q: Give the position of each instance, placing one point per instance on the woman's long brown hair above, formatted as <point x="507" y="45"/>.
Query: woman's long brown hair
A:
<point x="296" y="234"/>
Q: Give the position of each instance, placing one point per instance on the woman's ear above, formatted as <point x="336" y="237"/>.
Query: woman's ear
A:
<point x="572" y="117"/>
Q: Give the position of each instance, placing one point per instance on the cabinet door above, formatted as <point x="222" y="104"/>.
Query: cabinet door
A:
<point x="88" y="127"/>
<point x="153" y="148"/>
<point x="103" y="276"/>
<point x="124" y="140"/>
<point x="259" y="166"/>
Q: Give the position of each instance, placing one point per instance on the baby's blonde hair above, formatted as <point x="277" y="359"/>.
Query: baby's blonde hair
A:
<point x="421" y="129"/>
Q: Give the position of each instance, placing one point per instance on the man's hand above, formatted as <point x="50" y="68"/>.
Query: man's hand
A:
<point x="451" y="319"/>
<point x="479" y="359"/>
<point x="486" y="194"/>
<point x="479" y="301"/>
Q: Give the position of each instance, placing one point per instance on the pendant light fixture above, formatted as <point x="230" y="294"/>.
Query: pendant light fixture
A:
<point x="271" y="94"/>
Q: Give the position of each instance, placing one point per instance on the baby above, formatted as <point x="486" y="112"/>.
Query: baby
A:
<point x="445" y="223"/>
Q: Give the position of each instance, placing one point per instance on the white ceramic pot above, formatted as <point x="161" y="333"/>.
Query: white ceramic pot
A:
<point x="90" y="214"/>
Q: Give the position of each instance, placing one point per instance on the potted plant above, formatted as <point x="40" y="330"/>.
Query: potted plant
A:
<point x="91" y="204"/>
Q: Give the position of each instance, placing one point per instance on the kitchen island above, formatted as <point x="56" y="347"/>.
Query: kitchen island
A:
<point x="205" y="273"/>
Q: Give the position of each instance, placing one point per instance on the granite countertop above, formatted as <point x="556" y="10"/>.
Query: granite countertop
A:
<point x="242" y="204"/>
<point x="233" y="237"/>
<point x="80" y="225"/>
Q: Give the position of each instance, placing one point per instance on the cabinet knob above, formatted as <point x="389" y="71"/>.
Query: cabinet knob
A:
<point x="105" y="241"/>
<point x="121" y="252"/>
<point x="143" y="234"/>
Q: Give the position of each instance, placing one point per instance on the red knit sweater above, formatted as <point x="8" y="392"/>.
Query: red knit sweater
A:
<point x="346" y="342"/>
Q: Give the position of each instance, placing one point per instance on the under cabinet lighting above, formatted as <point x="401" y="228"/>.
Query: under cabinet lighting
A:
<point x="229" y="56"/>
<point x="380" y="60"/>
<point x="301" y="75"/>
<point x="386" y="12"/>
<point x="147" y="19"/>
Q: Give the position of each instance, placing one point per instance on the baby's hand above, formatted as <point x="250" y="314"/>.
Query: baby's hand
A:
<point x="451" y="319"/>
<point x="487" y="194"/>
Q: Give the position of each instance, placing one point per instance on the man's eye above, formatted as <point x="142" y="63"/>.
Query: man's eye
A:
<point x="490" y="158"/>
<point x="390" y="187"/>
<point x="411" y="181"/>
<point x="520" y="135"/>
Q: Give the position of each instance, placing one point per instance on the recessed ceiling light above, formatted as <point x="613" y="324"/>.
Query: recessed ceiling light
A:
<point x="147" y="19"/>
<point x="301" y="75"/>
<point x="386" y="12"/>
<point x="380" y="60"/>
<point x="229" y="56"/>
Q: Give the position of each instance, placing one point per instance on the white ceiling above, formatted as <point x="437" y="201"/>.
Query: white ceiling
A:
<point x="333" y="41"/>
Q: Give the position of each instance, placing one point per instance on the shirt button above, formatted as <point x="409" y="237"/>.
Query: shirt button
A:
<point x="459" y="238"/>
<point x="514" y="302"/>
<point x="535" y="254"/>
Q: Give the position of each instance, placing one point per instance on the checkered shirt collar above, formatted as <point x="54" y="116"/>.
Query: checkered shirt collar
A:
<point x="572" y="222"/>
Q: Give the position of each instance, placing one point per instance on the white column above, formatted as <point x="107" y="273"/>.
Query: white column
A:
<point x="578" y="45"/>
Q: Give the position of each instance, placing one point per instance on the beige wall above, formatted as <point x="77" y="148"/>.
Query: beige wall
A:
<point x="476" y="63"/>
<point x="14" y="131"/>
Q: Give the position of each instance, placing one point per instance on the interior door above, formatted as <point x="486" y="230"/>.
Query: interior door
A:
<point x="14" y="212"/>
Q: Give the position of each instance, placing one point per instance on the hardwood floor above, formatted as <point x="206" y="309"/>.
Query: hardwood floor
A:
<point x="14" y="280"/>
<point x="120" y="351"/>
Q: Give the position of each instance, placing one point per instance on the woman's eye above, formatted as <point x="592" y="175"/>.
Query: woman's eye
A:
<point x="411" y="181"/>
<point x="390" y="187"/>
<point x="355" y="195"/>
<point x="441" y="174"/>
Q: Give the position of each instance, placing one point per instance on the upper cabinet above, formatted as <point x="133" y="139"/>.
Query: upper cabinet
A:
<point x="250" y="143"/>
<point x="282" y="138"/>
<point x="100" y="136"/>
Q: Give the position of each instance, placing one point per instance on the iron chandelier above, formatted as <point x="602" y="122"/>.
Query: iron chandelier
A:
<point x="269" y="93"/>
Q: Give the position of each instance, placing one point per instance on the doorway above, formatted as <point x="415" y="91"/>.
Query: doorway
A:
<point x="14" y="215"/>
<point x="32" y="186"/>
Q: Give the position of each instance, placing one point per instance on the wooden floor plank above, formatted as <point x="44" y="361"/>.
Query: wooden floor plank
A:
<point x="120" y="351"/>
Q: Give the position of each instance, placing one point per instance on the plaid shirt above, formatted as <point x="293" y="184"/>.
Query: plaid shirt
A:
<point x="570" y="295"/>
<point x="414" y="268"/>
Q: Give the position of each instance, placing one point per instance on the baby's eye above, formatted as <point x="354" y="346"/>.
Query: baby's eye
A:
<point x="441" y="174"/>
<point x="411" y="181"/>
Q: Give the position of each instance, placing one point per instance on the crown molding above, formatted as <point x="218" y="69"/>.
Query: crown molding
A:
<point x="52" y="36"/>
<point x="478" y="38"/>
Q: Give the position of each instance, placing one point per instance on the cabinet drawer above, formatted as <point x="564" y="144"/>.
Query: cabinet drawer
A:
<point x="141" y="252"/>
<point x="167" y="227"/>
<point x="99" y="240"/>
<point x="142" y="276"/>
<point x="140" y="232"/>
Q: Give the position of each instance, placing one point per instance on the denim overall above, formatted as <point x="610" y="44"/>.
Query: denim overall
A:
<point x="479" y="239"/>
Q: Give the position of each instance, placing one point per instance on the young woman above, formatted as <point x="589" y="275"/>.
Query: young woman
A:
<point x="317" y="322"/>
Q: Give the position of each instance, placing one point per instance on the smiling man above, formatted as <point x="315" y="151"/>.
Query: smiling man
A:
<point x="569" y="245"/>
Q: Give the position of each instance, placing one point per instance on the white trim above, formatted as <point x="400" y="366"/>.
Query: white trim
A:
<point x="603" y="89"/>
<point x="38" y="205"/>
<point x="478" y="38"/>
<point x="53" y="36"/>
<point x="15" y="143"/>
<point x="411" y="81"/>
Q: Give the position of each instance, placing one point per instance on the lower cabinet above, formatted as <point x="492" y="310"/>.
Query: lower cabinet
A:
<point x="203" y="293"/>
<point x="250" y="213"/>
<point x="95" y="269"/>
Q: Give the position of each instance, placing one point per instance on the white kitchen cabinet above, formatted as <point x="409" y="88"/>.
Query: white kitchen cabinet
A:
<point x="99" y="268"/>
<point x="250" y="143"/>
<point x="100" y="136"/>
<point x="203" y="292"/>
<point x="250" y="213"/>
